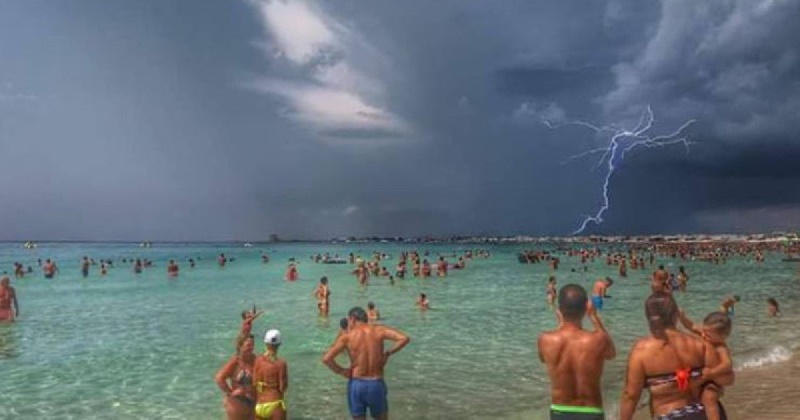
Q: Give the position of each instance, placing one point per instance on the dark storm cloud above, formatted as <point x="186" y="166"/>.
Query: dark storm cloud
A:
<point x="236" y="119"/>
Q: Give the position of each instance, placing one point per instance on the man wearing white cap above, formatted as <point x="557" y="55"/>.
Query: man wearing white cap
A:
<point x="270" y="379"/>
<point x="364" y="343"/>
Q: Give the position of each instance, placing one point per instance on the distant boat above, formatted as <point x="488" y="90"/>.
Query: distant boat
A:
<point x="145" y="245"/>
<point x="248" y="245"/>
<point x="30" y="245"/>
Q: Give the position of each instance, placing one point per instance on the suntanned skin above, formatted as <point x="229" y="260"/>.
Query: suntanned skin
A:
<point x="9" y="307"/>
<point x="234" y="408"/>
<point x="653" y="356"/>
<point x="364" y="344"/>
<point x="273" y="373"/>
<point x="575" y="359"/>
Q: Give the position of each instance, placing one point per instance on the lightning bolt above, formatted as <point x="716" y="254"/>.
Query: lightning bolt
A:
<point x="621" y="142"/>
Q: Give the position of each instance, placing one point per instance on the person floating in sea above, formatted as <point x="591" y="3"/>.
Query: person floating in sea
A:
<point x="137" y="266"/>
<point x="366" y="389"/>
<point x="600" y="292"/>
<point x="172" y="269"/>
<point x="422" y="302"/>
<point x="271" y="380"/>
<point x="49" y="269"/>
<point x="9" y="306"/>
<point x="103" y="268"/>
<point x="235" y="380"/>
<point x="683" y="279"/>
<point x="715" y="330"/>
<point x="441" y="267"/>
<point x="322" y="292"/>
<point x="373" y="314"/>
<point x="575" y="358"/>
<point x="772" y="307"/>
<point x="222" y="260"/>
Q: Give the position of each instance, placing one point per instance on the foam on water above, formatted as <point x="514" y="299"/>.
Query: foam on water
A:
<point x="775" y="355"/>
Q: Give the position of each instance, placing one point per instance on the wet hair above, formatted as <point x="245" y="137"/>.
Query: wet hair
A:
<point x="552" y="279"/>
<point x="371" y="305"/>
<point x="773" y="302"/>
<point x="343" y="324"/>
<point x="324" y="280"/>
<point x="358" y="313"/>
<point x="423" y="295"/>
<point x="572" y="302"/>
<point x="718" y="322"/>
<point x="661" y="311"/>
<point x="609" y="281"/>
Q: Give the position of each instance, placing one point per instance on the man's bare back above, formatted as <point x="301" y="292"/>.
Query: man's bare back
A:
<point x="575" y="357"/>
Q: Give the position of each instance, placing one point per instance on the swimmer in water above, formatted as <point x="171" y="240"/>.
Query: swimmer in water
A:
<point x="772" y="307"/>
<point x="49" y="269"/>
<point x="85" y="267"/>
<point x="715" y="330"/>
<point x="422" y="302"/>
<point x="600" y="291"/>
<point x="9" y="306"/>
<point x="373" y="314"/>
<point x="323" y="293"/>
<point x="728" y="305"/>
<point x="222" y="260"/>
<point x="172" y="269"/>
<point x="551" y="291"/>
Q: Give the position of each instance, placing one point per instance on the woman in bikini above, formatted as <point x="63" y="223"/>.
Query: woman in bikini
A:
<point x="235" y="379"/>
<point x="669" y="364"/>
<point x="271" y="380"/>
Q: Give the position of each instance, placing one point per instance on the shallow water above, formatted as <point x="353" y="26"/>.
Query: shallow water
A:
<point x="128" y="346"/>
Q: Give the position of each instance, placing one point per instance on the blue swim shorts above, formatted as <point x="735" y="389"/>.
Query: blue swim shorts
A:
<point x="367" y="393"/>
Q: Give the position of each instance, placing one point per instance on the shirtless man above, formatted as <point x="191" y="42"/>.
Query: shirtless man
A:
<point x="323" y="293"/>
<point x="660" y="281"/>
<point x="9" y="307"/>
<point x="575" y="358"/>
<point x="373" y="313"/>
<point x="600" y="291"/>
<point x="49" y="269"/>
<point x="364" y="344"/>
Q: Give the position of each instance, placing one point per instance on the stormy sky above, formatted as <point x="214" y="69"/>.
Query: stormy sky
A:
<point x="234" y="119"/>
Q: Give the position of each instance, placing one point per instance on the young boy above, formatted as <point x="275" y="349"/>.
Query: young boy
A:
<point x="715" y="330"/>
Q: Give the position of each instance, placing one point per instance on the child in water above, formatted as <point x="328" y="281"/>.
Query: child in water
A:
<point x="715" y="330"/>
<point x="773" y="309"/>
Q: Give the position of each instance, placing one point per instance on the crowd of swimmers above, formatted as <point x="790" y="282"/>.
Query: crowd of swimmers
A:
<point x="684" y="371"/>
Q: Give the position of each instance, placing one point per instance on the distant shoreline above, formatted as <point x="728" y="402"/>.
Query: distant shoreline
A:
<point x="498" y="240"/>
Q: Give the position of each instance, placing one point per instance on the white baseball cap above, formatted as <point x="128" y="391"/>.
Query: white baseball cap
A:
<point x="273" y="337"/>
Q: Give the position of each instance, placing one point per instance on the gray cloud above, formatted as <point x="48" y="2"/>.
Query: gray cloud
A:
<point x="219" y="120"/>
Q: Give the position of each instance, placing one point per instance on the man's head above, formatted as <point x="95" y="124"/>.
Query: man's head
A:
<point x="357" y="314"/>
<point x="5" y="281"/>
<point x="273" y="339"/>
<point x="323" y="280"/>
<point x="343" y="324"/>
<point x="572" y="302"/>
<point x="371" y="305"/>
<point x="609" y="282"/>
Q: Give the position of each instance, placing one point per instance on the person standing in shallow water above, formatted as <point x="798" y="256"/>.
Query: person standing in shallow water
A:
<point x="9" y="307"/>
<point x="575" y="358"/>
<point x="239" y="392"/>
<point x="271" y="380"/>
<point x="366" y="389"/>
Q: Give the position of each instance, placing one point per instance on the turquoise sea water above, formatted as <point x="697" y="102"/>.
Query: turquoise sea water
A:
<point x="146" y="347"/>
